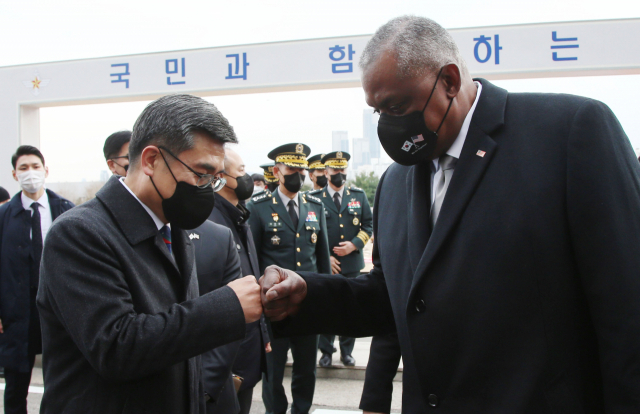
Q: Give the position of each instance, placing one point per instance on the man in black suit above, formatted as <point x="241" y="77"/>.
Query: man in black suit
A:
<point x="229" y="211"/>
<point x="116" y="152"/>
<point x="24" y="224"/>
<point x="122" y="320"/>
<point x="516" y="293"/>
<point x="218" y="264"/>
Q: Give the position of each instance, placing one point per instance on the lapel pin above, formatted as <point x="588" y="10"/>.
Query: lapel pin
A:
<point x="192" y="236"/>
<point x="481" y="153"/>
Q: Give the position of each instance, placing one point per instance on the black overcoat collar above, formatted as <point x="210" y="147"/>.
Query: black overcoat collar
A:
<point x="488" y="118"/>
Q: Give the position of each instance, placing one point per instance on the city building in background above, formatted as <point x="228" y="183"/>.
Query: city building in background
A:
<point x="340" y="141"/>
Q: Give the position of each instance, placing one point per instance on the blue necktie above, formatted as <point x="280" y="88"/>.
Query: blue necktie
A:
<point x="165" y="232"/>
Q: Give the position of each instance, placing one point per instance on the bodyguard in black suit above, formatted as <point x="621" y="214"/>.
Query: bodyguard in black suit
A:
<point x="122" y="319"/>
<point x="218" y="264"/>
<point x="524" y="295"/>
<point x="231" y="213"/>
<point x="24" y="224"/>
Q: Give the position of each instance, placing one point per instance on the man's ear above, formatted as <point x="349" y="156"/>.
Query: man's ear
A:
<point x="452" y="80"/>
<point x="112" y="166"/>
<point x="326" y="173"/>
<point x="15" y="177"/>
<point x="46" y="171"/>
<point x="150" y="160"/>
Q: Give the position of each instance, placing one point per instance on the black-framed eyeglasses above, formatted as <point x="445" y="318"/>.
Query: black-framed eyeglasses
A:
<point x="204" y="180"/>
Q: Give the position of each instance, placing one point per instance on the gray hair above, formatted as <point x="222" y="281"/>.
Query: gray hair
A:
<point x="172" y="120"/>
<point x="420" y="45"/>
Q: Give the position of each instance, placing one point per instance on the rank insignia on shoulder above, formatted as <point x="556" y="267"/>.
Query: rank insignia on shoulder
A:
<point x="275" y="240"/>
<point x="194" y="236"/>
<point x="275" y="216"/>
<point x="259" y="197"/>
<point x="313" y="198"/>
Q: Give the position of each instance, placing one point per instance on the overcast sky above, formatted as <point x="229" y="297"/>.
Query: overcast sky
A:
<point x="72" y="137"/>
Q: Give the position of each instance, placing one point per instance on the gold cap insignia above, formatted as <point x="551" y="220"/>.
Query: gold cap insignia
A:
<point x="299" y="149"/>
<point x="339" y="154"/>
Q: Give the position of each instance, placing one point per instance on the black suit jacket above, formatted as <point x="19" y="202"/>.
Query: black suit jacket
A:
<point x="217" y="263"/>
<point x="526" y="296"/>
<point x="251" y="359"/>
<point x="122" y="321"/>
<point x="16" y="260"/>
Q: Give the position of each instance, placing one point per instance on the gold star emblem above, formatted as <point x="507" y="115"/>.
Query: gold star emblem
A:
<point x="36" y="83"/>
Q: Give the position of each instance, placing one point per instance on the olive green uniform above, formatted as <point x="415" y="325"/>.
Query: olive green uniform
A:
<point x="304" y="248"/>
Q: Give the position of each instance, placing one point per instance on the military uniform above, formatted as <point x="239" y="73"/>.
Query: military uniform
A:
<point x="352" y="222"/>
<point x="299" y="248"/>
<point x="315" y="164"/>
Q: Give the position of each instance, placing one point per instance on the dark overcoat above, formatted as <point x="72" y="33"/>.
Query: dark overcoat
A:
<point x="525" y="297"/>
<point x="15" y="262"/>
<point x="123" y="323"/>
<point x="217" y="264"/>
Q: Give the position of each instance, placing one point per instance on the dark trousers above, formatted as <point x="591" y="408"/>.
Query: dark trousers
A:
<point x="17" y="388"/>
<point x="303" y="379"/>
<point x="244" y="398"/>
<point x="346" y="344"/>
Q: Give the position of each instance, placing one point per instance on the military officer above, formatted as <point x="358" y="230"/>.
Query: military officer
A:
<point x="272" y="181"/>
<point x="289" y="230"/>
<point x="350" y="225"/>
<point x="316" y="172"/>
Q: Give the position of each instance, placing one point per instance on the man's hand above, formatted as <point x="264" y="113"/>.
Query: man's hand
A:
<point x="335" y="266"/>
<point x="248" y="292"/>
<point x="282" y="292"/>
<point x="345" y="248"/>
<point x="1" y="328"/>
<point x="267" y="348"/>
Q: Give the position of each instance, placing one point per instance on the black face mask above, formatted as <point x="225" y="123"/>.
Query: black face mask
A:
<point x="293" y="182"/>
<point x="189" y="206"/>
<point x="338" y="179"/>
<point x="244" y="188"/>
<point x="321" y="181"/>
<point x="406" y="139"/>
<point x="272" y="186"/>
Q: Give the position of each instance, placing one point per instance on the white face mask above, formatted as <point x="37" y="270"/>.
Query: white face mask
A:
<point x="31" y="181"/>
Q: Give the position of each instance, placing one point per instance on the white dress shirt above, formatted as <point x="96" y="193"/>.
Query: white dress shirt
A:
<point x="332" y="192"/>
<point x="45" y="212"/>
<point x="286" y="200"/>
<point x="156" y="220"/>
<point x="456" y="147"/>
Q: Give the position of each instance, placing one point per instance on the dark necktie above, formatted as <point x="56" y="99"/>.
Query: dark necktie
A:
<point x="292" y="213"/>
<point x="36" y="242"/>
<point x="165" y="232"/>
<point x="336" y="200"/>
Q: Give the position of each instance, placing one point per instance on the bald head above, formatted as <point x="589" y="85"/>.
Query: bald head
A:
<point x="232" y="162"/>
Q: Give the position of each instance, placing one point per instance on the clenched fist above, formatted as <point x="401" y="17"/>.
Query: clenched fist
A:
<point x="248" y="292"/>
<point x="282" y="292"/>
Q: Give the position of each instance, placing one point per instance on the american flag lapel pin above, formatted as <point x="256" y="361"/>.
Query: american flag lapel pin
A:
<point x="481" y="153"/>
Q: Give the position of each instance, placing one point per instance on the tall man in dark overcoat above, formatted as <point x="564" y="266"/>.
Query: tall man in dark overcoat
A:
<point x="507" y="242"/>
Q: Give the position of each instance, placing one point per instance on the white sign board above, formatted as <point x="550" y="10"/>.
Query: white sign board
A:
<point x="607" y="47"/>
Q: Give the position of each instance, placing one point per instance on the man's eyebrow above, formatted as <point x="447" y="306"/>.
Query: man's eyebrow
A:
<point x="208" y="167"/>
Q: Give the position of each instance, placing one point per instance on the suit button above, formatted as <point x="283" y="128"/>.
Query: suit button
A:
<point x="297" y="234"/>
<point x="342" y="236"/>
<point x="298" y="250"/>
<point x="298" y="264"/>
<point x="433" y="400"/>
<point x="238" y="246"/>
<point x="342" y="225"/>
<point x="420" y="307"/>
<point x="339" y="215"/>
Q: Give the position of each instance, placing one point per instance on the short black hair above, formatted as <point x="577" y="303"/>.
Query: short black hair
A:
<point x="4" y="195"/>
<point x="258" y="177"/>
<point x="172" y="120"/>
<point x="114" y="143"/>
<point x="26" y="150"/>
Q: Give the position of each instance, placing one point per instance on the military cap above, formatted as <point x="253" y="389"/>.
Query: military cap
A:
<point x="291" y="155"/>
<point x="268" y="172"/>
<point x="315" y="162"/>
<point x="337" y="159"/>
